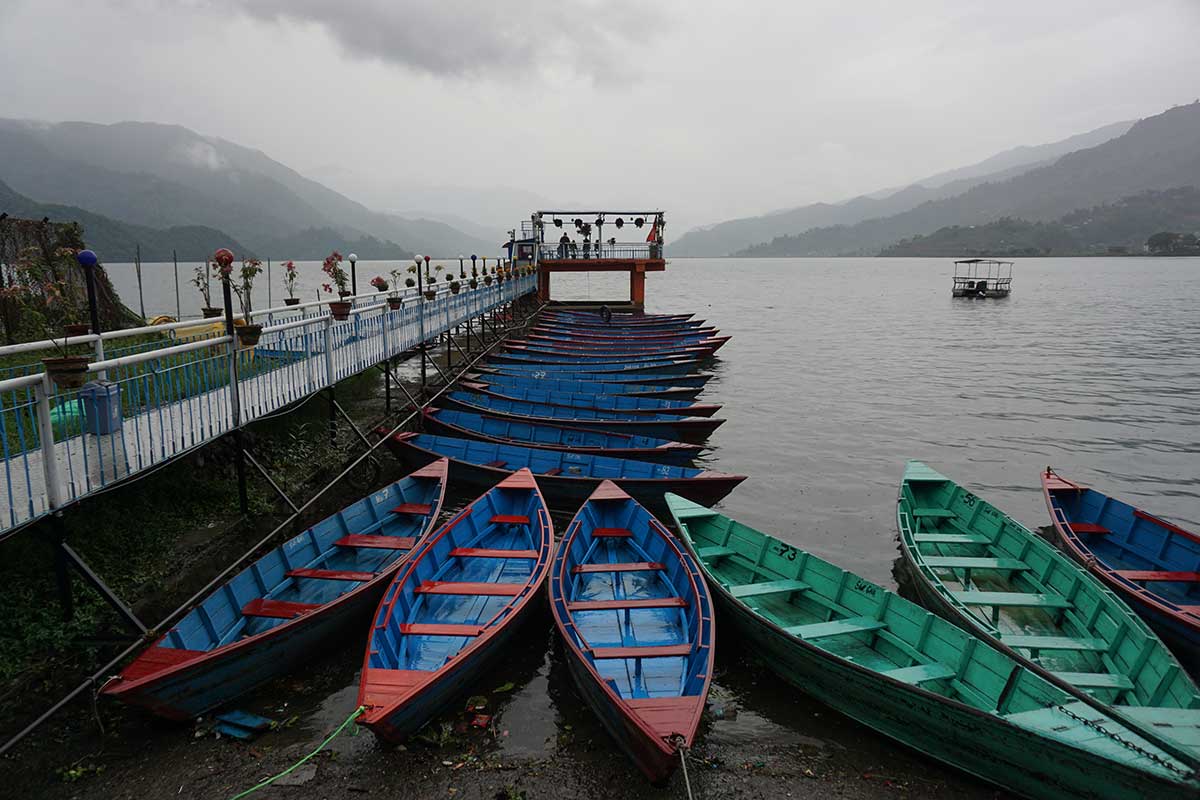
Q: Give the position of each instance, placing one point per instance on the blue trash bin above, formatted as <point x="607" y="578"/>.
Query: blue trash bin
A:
<point x="101" y="407"/>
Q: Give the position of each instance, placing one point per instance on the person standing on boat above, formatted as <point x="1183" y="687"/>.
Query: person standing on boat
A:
<point x="563" y="243"/>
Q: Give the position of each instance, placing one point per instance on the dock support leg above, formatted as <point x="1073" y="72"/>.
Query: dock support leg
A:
<point x="387" y="385"/>
<point x="62" y="575"/>
<point x="331" y="396"/>
<point x="240" y="467"/>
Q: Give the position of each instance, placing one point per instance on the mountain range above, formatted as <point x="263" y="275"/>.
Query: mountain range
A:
<point x="1157" y="153"/>
<point x="725" y="238"/>
<point x="163" y="176"/>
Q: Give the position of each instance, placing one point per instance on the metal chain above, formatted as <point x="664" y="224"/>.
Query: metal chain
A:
<point x="1141" y="751"/>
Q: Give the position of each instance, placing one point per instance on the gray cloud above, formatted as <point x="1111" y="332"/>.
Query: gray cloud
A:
<point x="469" y="39"/>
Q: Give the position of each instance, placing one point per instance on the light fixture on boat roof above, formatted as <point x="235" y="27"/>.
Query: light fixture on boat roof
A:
<point x="557" y="222"/>
<point x="620" y="222"/>
<point x="578" y="222"/>
<point x="640" y="221"/>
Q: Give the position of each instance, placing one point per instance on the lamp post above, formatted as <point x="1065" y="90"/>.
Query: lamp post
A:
<point x="353" y="274"/>
<point x="87" y="260"/>
<point x="462" y="273"/>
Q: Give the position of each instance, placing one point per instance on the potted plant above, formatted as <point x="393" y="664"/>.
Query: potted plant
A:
<point x="380" y="283"/>
<point x="332" y="266"/>
<point x="200" y="281"/>
<point x="289" y="282"/>
<point x="394" y="301"/>
<point x="76" y="329"/>
<point x="67" y="371"/>
<point x="474" y="282"/>
<point x="487" y="278"/>
<point x="454" y="286"/>
<point x="242" y="285"/>
<point x="430" y="288"/>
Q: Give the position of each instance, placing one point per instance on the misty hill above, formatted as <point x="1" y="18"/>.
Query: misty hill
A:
<point x="117" y="241"/>
<point x="166" y="175"/>
<point x="1120" y="227"/>
<point x="1157" y="153"/>
<point x="728" y="237"/>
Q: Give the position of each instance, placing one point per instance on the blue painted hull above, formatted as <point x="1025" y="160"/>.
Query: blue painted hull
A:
<point x="498" y="381"/>
<point x="666" y="367"/>
<point x="641" y="379"/>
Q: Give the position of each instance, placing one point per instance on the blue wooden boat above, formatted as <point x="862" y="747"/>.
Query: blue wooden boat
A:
<point x="454" y="606"/>
<point x="633" y="609"/>
<point x="286" y="607"/>
<point x="660" y="426"/>
<point x="622" y="343"/>
<point x="585" y="387"/>
<point x="598" y="402"/>
<point x="666" y="366"/>
<point x="613" y="362"/>
<point x="607" y="354"/>
<point x="620" y="320"/>
<point x="566" y="479"/>
<point x="584" y="335"/>
<point x="466" y="425"/>
<point x="692" y="381"/>
<point x="1150" y="563"/>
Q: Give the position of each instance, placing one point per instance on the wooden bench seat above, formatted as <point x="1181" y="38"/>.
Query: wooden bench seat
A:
<point x="330" y="574"/>
<point x="1096" y="680"/>
<point x="440" y="629"/>
<point x="713" y="553"/>
<point x="484" y="552"/>
<point x="630" y="566"/>
<point x="1088" y="527"/>
<point x="933" y="513"/>
<point x="1037" y="643"/>
<point x="422" y="509"/>
<point x="276" y="609"/>
<point x="621" y="605"/>
<point x="921" y="673"/>
<point x="837" y="627"/>
<point x="466" y="587"/>
<point x="611" y="533"/>
<point x="1011" y="599"/>
<point x="950" y="538"/>
<point x="376" y="542"/>
<point x="647" y="651"/>
<point x="767" y="588"/>
<point x="969" y="562"/>
<point x="509" y="519"/>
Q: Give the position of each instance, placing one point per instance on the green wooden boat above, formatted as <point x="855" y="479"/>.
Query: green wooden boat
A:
<point x="917" y="678"/>
<point x="981" y="569"/>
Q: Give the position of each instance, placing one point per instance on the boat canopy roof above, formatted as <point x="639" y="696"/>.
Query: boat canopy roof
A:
<point x="982" y="261"/>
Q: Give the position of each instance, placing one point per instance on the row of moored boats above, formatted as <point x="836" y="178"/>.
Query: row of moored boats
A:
<point x="1031" y="667"/>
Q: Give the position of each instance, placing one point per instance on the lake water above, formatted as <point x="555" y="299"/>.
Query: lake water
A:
<point x="841" y="369"/>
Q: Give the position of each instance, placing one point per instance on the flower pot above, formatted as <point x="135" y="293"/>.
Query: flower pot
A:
<point x="344" y="295"/>
<point x="430" y="295"/>
<point x="291" y="301"/>
<point x="454" y="289"/>
<point x="395" y="303"/>
<point x="76" y="329"/>
<point x="473" y="283"/>
<point x="249" y="335"/>
<point x="67" y="372"/>
<point x="212" y="313"/>
<point x="487" y="280"/>
<point x="340" y="309"/>
<point x="381" y="288"/>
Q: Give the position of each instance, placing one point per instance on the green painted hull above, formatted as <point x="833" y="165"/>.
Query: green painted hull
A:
<point x="951" y="712"/>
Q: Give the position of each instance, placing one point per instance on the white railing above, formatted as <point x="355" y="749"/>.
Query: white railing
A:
<point x="61" y="445"/>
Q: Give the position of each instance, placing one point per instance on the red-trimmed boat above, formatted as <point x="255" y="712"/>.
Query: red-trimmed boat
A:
<point x="454" y="606"/>
<point x="634" y="611"/>
<point x="286" y="607"/>
<point x="1151" y="563"/>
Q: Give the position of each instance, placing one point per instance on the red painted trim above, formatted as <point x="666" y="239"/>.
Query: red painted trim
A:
<point x="483" y="552"/>
<point x="379" y="542"/>
<point x="277" y="609"/>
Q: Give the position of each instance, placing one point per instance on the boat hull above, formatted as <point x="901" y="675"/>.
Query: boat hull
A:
<point x="973" y="741"/>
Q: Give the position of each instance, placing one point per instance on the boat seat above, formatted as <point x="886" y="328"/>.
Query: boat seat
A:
<point x="552" y="472"/>
<point x="921" y="673"/>
<point x="509" y="519"/>
<point x="1096" y="680"/>
<point x="486" y="589"/>
<point x="1036" y="643"/>
<point x="837" y="627"/>
<point x="695" y="513"/>
<point x="933" y="513"/>
<point x="1148" y="575"/>
<point x="440" y="629"/>
<point x="620" y="605"/>
<point x="967" y="562"/>
<point x="277" y="609"/>
<point x="767" y="587"/>
<point x="614" y="533"/>
<point x="330" y="574"/>
<point x="379" y="542"/>
<point x="413" y="508"/>
<point x="631" y="566"/>
<point x="1012" y="599"/>
<point x="713" y="553"/>
<point x="1088" y="527"/>
<point x="646" y="651"/>
<point x="951" y="538"/>
<point x="483" y="552"/>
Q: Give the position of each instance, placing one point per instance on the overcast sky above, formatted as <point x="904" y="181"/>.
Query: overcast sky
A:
<point x="707" y="109"/>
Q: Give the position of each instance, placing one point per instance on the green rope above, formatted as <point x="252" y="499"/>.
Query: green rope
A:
<point x="353" y="716"/>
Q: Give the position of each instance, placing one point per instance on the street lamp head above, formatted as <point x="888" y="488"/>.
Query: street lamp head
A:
<point x="352" y="258"/>
<point x="86" y="258"/>
<point x="223" y="257"/>
<point x="427" y="260"/>
<point x="417" y="259"/>
<point x="473" y="257"/>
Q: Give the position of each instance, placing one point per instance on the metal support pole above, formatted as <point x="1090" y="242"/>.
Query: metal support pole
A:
<point x="137" y="265"/>
<point x="421" y="310"/>
<point x="62" y="574"/>
<point x="267" y="477"/>
<point x="270" y="302"/>
<point x="331" y="396"/>
<point x="46" y="435"/>
<point x="71" y="558"/>
<point x="175" y="261"/>
<point x="87" y="260"/>
<point x="235" y="403"/>
<point x="387" y="385"/>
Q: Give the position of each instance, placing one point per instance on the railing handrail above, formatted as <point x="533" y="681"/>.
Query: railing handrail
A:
<point x="151" y="355"/>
